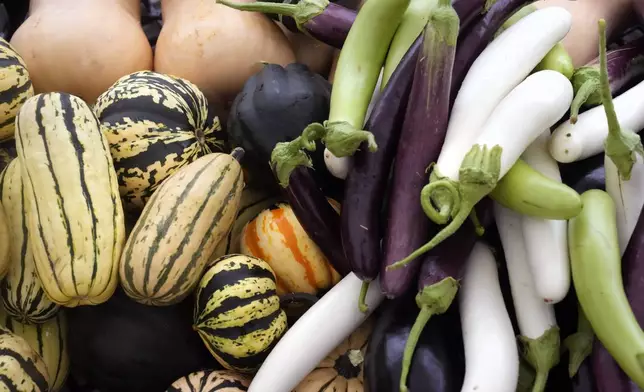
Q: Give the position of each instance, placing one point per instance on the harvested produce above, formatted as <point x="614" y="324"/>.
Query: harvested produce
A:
<point x="7" y="152"/>
<point x="596" y="274"/>
<point x="196" y="33"/>
<point x="81" y="50"/>
<point x="237" y="312"/>
<point x="15" y="87"/>
<point x="296" y="304"/>
<point x="155" y="124"/>
<point x="74" y="213"/>
<point x="5" y="240"/>
<point x="342" y="369"/>
<point x="123" y="346"/>
<point x="211" y="381"/>
<point x="20" y="366"/>
<point x="179" y="229"/>
<point x="49" y="340"/>
<point x="23" y="296"/>
<point x="278" y="238"/>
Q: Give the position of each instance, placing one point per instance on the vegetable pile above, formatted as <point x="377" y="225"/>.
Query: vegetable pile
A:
<point x="304" y="196"/>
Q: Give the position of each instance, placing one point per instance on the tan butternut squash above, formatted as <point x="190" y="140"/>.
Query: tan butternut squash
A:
<point x="216" y="47"/>
<point x="82" y="47"/>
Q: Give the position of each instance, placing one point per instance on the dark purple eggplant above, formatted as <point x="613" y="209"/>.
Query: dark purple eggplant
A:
<point x="608" y="374"/>
<point x="366" y="182"/>
<point x="441" y="271"/>
<point x="420" y="143"/>
<point x="472" y="43"/>
<point x="625" y="66"/>
<point x="293" y="167"/>
<point x="439" y="362"/>
<point x="585" y="174"/>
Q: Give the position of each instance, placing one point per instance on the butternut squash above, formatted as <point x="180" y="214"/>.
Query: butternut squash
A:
<point x="216" y="47"/>
<point x="82" y="47"/>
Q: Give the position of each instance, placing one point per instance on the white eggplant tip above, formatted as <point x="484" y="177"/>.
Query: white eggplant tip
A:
<point x="565" y="145"/>
<point x="338" y="167"/>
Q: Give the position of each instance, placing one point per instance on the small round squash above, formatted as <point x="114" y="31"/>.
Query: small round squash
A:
<point x="20" y="365"/>
<point x="211" y="381"/>
<point x="15" y="87"/>
<point x="277" y="237"/>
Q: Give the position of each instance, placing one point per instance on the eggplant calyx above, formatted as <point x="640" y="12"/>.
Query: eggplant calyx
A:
<point x="488" y="5"/>
<point x="478" y="175"/>
<point x="587" y="87"/>
<point x="579" y="346"/>
<point x="445" y="23"/>
<point x="342" y="139"/>
<point x="301" y="12"/>
<point x="287" y="156"/>
<point x="542" y="354"/>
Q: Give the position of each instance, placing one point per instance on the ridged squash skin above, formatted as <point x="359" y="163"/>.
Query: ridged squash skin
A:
<point x="15" y="88"/>
<point x="277" y="237"/>
<point x="74" y="212"/>
<point x="49" y="340"/>
<point x="5" y="243"/>
<point x="21" y="368"/>
<point x="179" y="230"/>
<point x="237" y="312"/>
<point x="155" y="124"/>
<point x="22" y="293"/>
<point x="211" y="381"/>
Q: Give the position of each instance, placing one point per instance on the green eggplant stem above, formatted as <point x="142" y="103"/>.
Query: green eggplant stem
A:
<point x="585" y="91"/>
<point x="362" y="301"/>
<point x="478" y="175"/>
<point x="542" y="354"/>
<point x="301" y="12"/>
<point x="431" y="300"/>
<point x="540" y="382"/>
<point x="287" y="156"/>
<point x="621" y="145"/>
<point x="342" y="139"/>
<point x="579" y="344"/>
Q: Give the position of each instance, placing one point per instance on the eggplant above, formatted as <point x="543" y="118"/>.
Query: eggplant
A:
<point x="439" y="361"/>
<point x="366" y="181"/>
<point x="586" y="174"/>
<point x="608" y="374"/>
<point x="471" y="44"/>
<point x="275" y="105"/>
<point x="292" y="168"/>
<point x="423" y="132"/>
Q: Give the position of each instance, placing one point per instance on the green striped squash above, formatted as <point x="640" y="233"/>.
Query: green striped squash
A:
<point x="49" y="340"/>
<point x="237" y="312"/>
<point x="5" y="243"/>
<point x="22" y="293"/>
<point x="15" y="88"/>
<point x="211" y="381"/>
<point x="74" y="212"/>
<point x="179" y="229"/>
<point x="155" y="124"/>
<point x="21" y="368"/>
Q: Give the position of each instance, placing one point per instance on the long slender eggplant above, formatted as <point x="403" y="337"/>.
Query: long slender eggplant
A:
<point x="420" y="143"/>
<point x="608" y="374"/>
<point x="438" y="363"/>
<point x="367" y="180"/>
<point x="471" y="45"/>
<point x="292" y="167"/>
<point x="585" y="174"/>
<point x="440" y="273"/>
<point x="625" y="66"/>
<point x="330" y="22"/>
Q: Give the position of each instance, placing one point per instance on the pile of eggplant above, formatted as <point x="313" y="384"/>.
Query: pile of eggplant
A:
<point x="492" y="193"/>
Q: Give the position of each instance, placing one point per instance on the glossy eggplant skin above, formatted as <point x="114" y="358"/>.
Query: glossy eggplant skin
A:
<point x="439" y="360"/>
<point x="366" y="182"/>
<point x="585" y="174"/>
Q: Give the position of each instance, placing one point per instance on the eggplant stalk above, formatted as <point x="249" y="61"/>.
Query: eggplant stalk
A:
<point x="302" y="12"/>
<point x="287" y="156"/>
<point x="579" y="344"/>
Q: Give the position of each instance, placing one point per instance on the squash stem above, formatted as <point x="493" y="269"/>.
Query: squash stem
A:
<point x="362" y="301"/>
<point x="432" y="300"/>
<point x="301" y="12"/>
<point x="621" y="145"/>
<point x="586" y="90"/>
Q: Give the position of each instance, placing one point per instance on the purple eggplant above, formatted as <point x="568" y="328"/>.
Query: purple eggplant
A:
<point x="471" y="44"/>
<point x="320" y="220"/>
<point x="625" y="67"/>
<point x="585" y="174"/>
<point x="420" y="143"/>
<point x="366" y="182"/>
<point x="608" y="374"/>
<point x="440" y="273"/>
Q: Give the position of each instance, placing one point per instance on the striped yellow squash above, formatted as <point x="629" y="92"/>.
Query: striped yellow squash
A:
<point x="15" y="88"/>
<point x="22" y="293"/>
<point x="49" y="340"/>
<point x="237" y="312"/>
<point x="21" y="368"/>
<point x="74" y="212"/>
<point x="5" y="243"/>
<point x="155" y="124"/>
<point x="211" y="381"/>
<point x="179" y="229"/>
<point x="277" y="237"/>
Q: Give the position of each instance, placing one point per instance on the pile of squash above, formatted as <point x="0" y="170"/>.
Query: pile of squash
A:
<point x="128" y="201"/>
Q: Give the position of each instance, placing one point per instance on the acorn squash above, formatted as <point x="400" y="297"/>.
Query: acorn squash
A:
<point x="277" y="237"/>
<point x="211" y="381"/>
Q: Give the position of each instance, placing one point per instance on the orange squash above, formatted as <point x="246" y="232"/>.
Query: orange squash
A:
<point x="277" y="237"/>
<point x="82" y="47"/>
